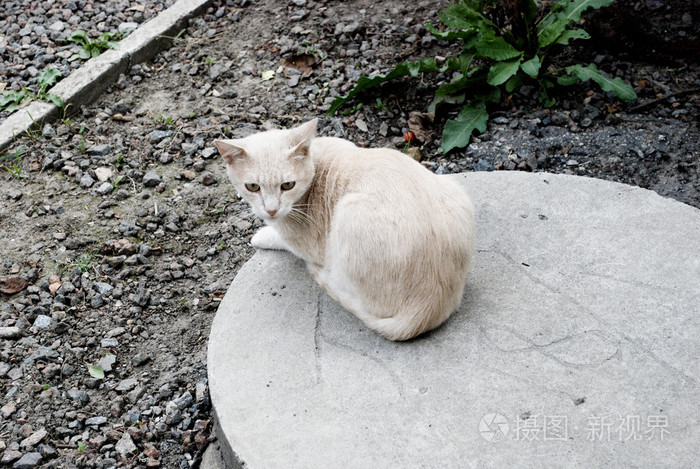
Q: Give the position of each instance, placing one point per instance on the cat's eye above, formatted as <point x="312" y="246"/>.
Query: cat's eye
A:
<point x="286" y="186"/>
<point x="252" y="187"/>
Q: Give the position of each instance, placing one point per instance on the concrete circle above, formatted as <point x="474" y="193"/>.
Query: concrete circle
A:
<point x="576" y="344"/>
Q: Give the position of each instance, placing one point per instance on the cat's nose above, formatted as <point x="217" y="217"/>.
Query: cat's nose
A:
<point x="272" y="212"/>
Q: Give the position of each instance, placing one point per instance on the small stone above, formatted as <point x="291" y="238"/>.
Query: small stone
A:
<point x="151" y="179"/>
<point x="42" y="321"/>
<point x="10" y="332"/>
<point x="140" y="359"/>
<point x="105" y="188"/>
<point x="48" y="131"/>
<point x="188" y="148"/>
<point x="125" y="446"/>
<point x="103" y="174"/>
<point x="209" y="179"/>
<point x="361" y="125"/>
<point x="28" y="461"/>
<point x="188" y="174"/>
<point x="157" y="135"/>
<point x="14" y="194"/>
<point x="209" y="153"/>
<point x="33" y="439"/>
<point x="184" y="400"/>
<point x="106" y="362"/>
<point x="8" y="409"/>
<point x="126" y="385"/>
<point x="86" y="181"/>
<point x="78" y="395"/>
<point x="102" y="288"/>
<point x="99" y="150"/>
<point x="10" y="455"/>
<point x="127" y="28"/>
<point x="109" y="343"/>
<point x="96" y="421"/>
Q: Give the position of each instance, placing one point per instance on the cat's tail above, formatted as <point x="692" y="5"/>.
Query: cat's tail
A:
<point x="403" y="326"/>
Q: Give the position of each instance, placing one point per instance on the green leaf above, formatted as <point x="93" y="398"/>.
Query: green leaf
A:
<point x="514" y="82"/>
<point x="497" y="48"/>
<point x="462" y="16"/>
<point x="96" y="371"/>
<point x="48" y="77"/>
<point x="52" y="98"/>
<point x="461" y="63"/>
<point x="570" y="34"/>
<point x="439" y="101"/>
<point x="451" y="34"/>
<point x="458" y="131"/>
<point x="549" y="31"/>
<point x="500" y="72"/>
<point x="529" y="12"/>
<point x="532" y="67"/>
<point x="79" y="37"/>
<point x="365" y="83"/>
<point x="621" y="89"/>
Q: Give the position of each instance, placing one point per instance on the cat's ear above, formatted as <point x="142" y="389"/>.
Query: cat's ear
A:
<point x="303" y="136"/>
<point x="229" y="151"/>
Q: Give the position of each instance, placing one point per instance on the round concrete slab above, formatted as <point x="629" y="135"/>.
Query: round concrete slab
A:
<point x="576" y="344"/>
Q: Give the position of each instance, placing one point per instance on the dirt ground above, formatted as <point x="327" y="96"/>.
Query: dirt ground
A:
<point x="120" y="233"/>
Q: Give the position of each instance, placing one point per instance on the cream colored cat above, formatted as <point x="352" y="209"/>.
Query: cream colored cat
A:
<point x="386" y="238"/>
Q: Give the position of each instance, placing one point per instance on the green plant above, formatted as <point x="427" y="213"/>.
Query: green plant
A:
<point x="120" y="162"/>
<point x="503" y="48"/>
<point x="82" y="447"/>
<point x="14" y="168"/>
<point x="81" y="146"/>
<point x="115" y="183"/>
<point x="12" y="100"/>
<point x="209" y="61"/>
<point x="92" y="48"/>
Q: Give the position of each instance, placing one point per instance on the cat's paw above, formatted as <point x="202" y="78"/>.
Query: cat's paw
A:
<point x="268" y="238"/>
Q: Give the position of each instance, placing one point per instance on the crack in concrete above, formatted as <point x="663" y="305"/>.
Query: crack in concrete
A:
<point x="634" y="343"/>
<point x="317" y="337"/>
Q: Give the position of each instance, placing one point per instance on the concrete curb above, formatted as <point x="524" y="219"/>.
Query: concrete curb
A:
<point x="89" y="81"/>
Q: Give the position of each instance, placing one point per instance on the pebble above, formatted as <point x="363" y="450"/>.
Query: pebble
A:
<point x="96" y="421"/>
<point x="105" y="188"/>
<point x="33" y="439"/>
<point x="125" y="446"/>
<point x="86" y="181"/>
<point x="10" y="332"/>
<point x="106" y="362"/>
<point x="78" y="395"/>
<point x="28" y="461"/>
<point x="42" y="321"/>
<point x="99" y="150"/>
<point x="151" y="179"/>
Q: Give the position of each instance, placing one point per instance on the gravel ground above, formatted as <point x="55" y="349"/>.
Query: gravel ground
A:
<point x="120" y="233"/>
<point x="33" y="34"/>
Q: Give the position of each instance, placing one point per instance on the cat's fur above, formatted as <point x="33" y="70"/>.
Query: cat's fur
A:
<point x="386" y="238"/>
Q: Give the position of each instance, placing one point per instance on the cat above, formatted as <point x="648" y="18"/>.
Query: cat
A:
<point x="381" y="234"/>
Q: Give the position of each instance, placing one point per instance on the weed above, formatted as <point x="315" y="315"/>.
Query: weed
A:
<point x="504" y="45"/>
<point x="115" y="183"/>
<point x="120" y="162"/>
<point x="81" y="146"/>
<point x="209" y="61"/>
<point x="161" y="119"/>
<point x="14" y="168"/>
<point x="380" y="105"/>
<point x="352" y="110"/>
<point x="84" y="262"/>
<point x="82" y="447"/>
<point x="12" y="100"/>
<point x="92" y="48"/>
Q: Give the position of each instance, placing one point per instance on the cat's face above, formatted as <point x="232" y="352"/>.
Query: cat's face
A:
<point x="271" y="170"/>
